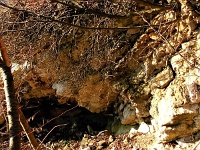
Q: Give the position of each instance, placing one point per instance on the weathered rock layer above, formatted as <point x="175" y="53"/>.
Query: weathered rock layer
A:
<point x="156" y="81"/>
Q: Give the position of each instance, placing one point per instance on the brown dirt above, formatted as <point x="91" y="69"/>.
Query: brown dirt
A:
<point x="104" y="141"/>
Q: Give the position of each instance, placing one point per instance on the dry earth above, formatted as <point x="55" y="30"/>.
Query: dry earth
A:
<point x="104" y="141"/>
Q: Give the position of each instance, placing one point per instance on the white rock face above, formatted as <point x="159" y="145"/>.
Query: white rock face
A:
<point x="176" y="109"/>
<point x="162" y="79"/>
<point x="59" y="87"/>
<point x="143" y="128"/>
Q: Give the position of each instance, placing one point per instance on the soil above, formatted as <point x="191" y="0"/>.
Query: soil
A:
<point x="109" y="142"/>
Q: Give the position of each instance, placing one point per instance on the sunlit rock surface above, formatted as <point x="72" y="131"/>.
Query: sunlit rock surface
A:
<point x="156" y="81"/>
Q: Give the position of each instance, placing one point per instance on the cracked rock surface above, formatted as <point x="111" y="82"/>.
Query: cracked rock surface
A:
<point x="155" y="81"/>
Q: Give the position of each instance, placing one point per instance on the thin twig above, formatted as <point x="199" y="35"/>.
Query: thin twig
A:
<point x="194" y="148"/>
<point x="51" y="19"/>
<point x="57" y="116"/>
<point x="49" y="133"/>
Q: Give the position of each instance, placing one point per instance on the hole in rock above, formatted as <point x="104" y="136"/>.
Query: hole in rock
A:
<point x="63" y="121"/>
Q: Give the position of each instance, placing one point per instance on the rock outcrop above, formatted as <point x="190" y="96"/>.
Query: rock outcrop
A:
<point x="157" y="80"/>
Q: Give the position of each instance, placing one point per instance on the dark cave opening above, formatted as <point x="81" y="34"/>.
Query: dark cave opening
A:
<point x="55" y="122"/>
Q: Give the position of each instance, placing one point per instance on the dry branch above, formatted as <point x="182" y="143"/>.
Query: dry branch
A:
<point x="4" y="54"/>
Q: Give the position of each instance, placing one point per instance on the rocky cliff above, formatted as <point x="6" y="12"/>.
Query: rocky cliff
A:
<point x="151" y="76"/>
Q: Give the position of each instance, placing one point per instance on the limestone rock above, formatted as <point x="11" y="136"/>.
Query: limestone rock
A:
<point x="96" y="94"/>
<point x="36" y="88"/>
<point x="176" y="108"/>
<point x="154" y="78"/>
<point x="162" y="79"/>
<point x="143" y="128"/>
<point x="133" y="113"/>
<point x="63" y="91"/>
<point x="132" y="132"/>
<point x="128" y="116"/>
